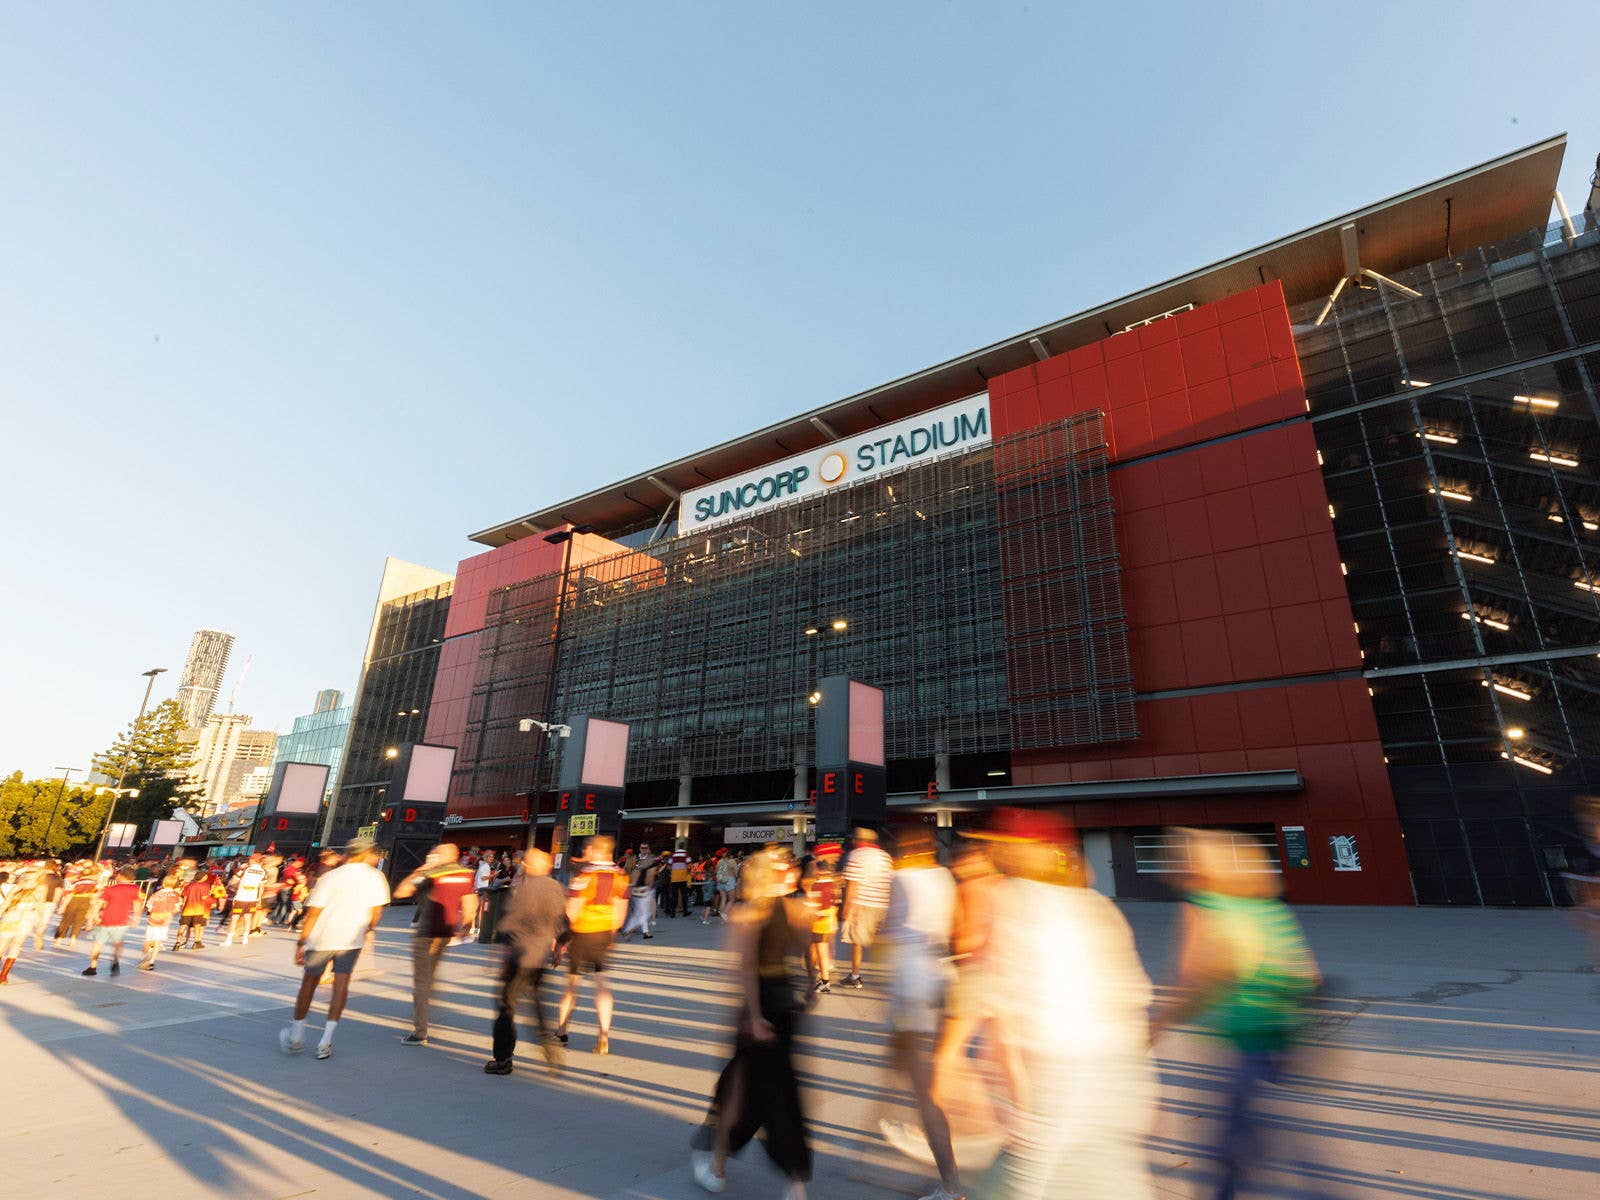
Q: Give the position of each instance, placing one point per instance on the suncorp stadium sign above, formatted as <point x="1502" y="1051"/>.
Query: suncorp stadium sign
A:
<point x="877" y="452"/>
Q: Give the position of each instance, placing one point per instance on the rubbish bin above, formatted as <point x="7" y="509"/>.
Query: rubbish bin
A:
<point x="494" y="903"/>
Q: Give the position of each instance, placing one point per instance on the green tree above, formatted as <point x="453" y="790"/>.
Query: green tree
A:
<point x="158" y="761"/>
<point x="25" y="809"/>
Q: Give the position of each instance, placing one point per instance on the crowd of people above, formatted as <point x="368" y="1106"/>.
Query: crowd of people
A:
<point x="1019" y="1022"/>
<point x="174" y="899"/>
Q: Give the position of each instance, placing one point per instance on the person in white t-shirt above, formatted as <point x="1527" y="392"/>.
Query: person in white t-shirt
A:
<point x="482" y="880"/>
<point x="341" y="914"/>
<point x="916" y="932"/>
<point x="247" y="890"/>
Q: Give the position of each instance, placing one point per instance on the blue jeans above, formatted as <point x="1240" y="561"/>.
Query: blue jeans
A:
<point x="1239" y="1146"/>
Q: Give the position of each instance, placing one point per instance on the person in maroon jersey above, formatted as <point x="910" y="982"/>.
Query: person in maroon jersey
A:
<point x="448" y="899"/>
<point x="118" y="902"/>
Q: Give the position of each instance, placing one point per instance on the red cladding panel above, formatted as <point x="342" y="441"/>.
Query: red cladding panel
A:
<point x="1222" y="466"/>
<point x="1124" y="382"/>
<point x="1264" y="718"/>
<point x="1278" y="509"/>
<point x="1216" y="722"/>
<point x="1089" y="385"/>
<point x="1203" y="357"/>
<point x="1291" y="578"/>
<point x="1194" y="582"/>
<point x="1157" y="653"/>
<point x="1205" y="652"/>
<point x="1181" y="478"/>
<point x="1232" y="520"/>
<point x="1188" y="529"/>
<point x="1302" y="640"/>
<point x="1242" y="580"/>
<point x="1163" y="367"/>
<point x="1252" y="646"/>
<point x="1244" y="343"/>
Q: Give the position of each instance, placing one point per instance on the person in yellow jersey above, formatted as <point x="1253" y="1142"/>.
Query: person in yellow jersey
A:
<point x="597" y="905"/>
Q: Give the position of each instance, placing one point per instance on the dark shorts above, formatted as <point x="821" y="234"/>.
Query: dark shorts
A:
<point x="192" y="921"/>
<point x="344" y="961"/>
<point x="240" y="907"/>
<point x="587" y="951"/>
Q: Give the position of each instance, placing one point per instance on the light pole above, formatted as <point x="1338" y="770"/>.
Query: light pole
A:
<point x="122" y="778"/>
<point x="44" y="843"/>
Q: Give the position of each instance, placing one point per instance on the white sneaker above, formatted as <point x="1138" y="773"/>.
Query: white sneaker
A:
<point x="941" y="1193"/>
<point x="288" y="1044"/>
<point x="703" y="1174"/>
<point x="324" y="1051"/>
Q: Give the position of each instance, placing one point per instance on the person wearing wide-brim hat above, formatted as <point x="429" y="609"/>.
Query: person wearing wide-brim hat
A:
<point x="1071" y="1004"/>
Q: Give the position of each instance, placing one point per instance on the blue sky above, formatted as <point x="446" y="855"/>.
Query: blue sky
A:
<point x="285" y="288"/>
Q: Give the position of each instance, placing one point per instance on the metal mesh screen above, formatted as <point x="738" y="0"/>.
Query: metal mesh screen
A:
<point x="1071" y="679"/>
<point x="921" y="583"/>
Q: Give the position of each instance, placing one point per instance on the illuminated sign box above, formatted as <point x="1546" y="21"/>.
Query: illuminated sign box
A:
<point x="882" y="451"/>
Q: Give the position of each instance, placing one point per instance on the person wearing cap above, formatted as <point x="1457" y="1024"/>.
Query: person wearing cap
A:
<point x="341" y="914"/>
<point x="1071" y="1019"/>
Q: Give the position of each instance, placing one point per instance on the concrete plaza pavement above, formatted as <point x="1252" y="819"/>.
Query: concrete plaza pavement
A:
<point x="1456" y="1060"/>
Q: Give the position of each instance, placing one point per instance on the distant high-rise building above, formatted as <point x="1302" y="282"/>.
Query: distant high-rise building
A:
<point x="318" y="737"/>
<point x="202" y="675"/>
<point x="225" y="751"/>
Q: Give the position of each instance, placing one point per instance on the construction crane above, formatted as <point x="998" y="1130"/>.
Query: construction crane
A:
<point x="238" y="682"/>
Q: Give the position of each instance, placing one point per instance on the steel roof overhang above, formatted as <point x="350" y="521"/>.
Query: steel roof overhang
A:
<point x="1163" y="787"/>
<point x="1486" y="203"/>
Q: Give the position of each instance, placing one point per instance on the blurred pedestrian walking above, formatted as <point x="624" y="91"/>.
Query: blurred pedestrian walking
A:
<point x="642" y="876"/>
<point x="341" y="914"/>
<point x="1071" y="1003"/>
<point x="197" y="901"/>
<point x="916" y="937"/>
<point x="23" y="910"/>
<point x="79" y="894"/>
<point x="758" y="1089"/>
<point x="119" y="904"/>
<point x="535" y="916"/>
<point x="160" y="908"/>
<point x="1245" y="970"/>
<point x="597" y="905"/>
<point x="867" y="871"/>
<point x="446" y="904"/>
<point x="249" y="886"/>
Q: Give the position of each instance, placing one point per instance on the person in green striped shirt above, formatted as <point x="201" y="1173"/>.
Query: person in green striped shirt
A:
<point x="1246" y="973"/>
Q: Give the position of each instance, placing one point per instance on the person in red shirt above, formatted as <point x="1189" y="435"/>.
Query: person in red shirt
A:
<point x="448" y="899"/>
<point x="118" y="902"/>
